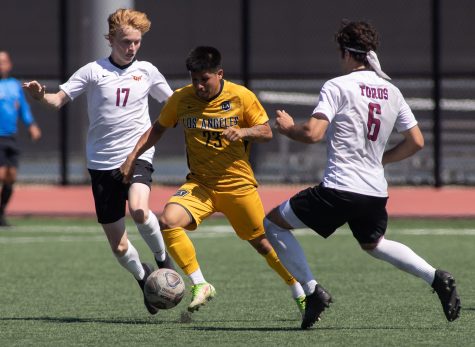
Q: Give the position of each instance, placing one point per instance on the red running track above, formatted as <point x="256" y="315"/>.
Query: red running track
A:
<point x="45" y="200"/>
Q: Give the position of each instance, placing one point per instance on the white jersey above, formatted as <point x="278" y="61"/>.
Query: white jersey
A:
<point x="362" y="109"/>
<point x="118" y="113"/>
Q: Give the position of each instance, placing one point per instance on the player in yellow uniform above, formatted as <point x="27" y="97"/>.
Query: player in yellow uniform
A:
<point x="221" y="120"/>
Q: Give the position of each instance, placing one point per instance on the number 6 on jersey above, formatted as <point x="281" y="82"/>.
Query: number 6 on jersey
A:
<point x="373" y="123"/>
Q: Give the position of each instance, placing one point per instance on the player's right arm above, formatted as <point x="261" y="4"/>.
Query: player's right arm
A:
<point x="310" y="131"/>
<point x="38" y="92"/>
<point x="146" y="141"/>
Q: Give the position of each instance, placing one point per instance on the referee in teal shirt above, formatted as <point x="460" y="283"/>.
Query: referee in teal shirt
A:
<point x="13" y="105"/>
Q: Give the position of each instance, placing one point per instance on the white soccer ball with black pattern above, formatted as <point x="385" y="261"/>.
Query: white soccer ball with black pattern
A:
<point x="164" y="288"/>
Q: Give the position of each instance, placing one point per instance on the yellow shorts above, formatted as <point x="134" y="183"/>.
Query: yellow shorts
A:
<point x="242" y="208"/>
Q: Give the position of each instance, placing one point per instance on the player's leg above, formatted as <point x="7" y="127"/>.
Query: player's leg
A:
<point x="147" y="224"/>
<point x="264" y="248"/>
<point x="145" y="220"/>
<point x="122" y="248"/>
<point x="245" y="212"/>
<point x="369" y="230"/>
<point x="127" y="256"/>
<point x="7" y="191"/>
<point x="278" y="232"/>
<point x="110" y="202"/>
<point x="9" y="156"/>
<point x="313" y="208"/>
<point x="407" y="260"/>
<point x="317" y="298"/>
<point x="186" y="209"/>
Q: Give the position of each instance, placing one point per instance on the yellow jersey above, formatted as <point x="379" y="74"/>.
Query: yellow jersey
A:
<point x="214" y="161"/>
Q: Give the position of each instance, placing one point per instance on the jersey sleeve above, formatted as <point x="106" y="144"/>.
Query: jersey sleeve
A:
<point x="169" y="115"/>
<point x="405" y="119"/>
<point x="159" y="90"/>
<point x="254" y="112"/>
<point x="328" y="101"/>
<point x="77" y="83"/>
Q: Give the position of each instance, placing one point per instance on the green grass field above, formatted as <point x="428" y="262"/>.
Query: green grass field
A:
<point x="61" y="286"/>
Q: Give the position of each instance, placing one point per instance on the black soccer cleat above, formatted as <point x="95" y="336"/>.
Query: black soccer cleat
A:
<point x="444" y="286"/>
<point x="166" y="264"/>
<point x="148" y="270"/>
<point x="315" y="304"/>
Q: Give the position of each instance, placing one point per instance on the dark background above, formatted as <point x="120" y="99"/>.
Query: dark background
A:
<point x="291" y="50"/>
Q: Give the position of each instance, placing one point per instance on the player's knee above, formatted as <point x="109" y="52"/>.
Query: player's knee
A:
<point x="368" y="246"/>
<point x="273" y="216"/>
<point x="264" y="249"/>
<point x="174" y="216"/>
<point x="120" y="249"/>
<point x="167" y="221"/>
<point x="139" y="216"/>
<point x="372" y="245"/>
<point x="261" y="245"/>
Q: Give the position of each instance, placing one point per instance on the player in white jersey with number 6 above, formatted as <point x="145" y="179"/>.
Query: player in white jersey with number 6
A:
<point x="117" y="89"/>
<point x="357" y="112"/>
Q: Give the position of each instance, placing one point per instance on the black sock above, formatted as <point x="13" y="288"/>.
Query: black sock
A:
<point x="5" y="195"/>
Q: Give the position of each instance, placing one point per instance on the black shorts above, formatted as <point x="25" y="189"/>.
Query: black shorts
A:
<point x="111" y="194"/>
<point x="325" y="210"/>
<point x="9" y="151"/>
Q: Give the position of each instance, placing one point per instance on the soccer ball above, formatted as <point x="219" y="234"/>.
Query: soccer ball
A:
<point x="164" y="288"/>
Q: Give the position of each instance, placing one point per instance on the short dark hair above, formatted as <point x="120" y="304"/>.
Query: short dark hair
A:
<point x="357" y="36"/>
<point x="203" y="58"/>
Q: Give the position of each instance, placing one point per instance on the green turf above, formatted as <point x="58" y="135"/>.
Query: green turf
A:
<point x="61" y="286"/>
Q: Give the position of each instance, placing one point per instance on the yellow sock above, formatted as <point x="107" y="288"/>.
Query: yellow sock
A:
<point x="181" y="249"/>
<point x="276" y="265"/>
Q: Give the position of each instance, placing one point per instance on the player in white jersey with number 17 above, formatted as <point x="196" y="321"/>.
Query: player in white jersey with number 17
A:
<point x="358" y="112"/>
<point x="117" y="91"/>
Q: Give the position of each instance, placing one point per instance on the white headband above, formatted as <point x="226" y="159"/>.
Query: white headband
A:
<point x="373" y="61"/>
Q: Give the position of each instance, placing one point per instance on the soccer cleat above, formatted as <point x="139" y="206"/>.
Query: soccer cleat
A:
<point x="444" y="286"/>
<point x="201" y="293"/>
<point x="167" y="263"/>
<point x="148" y="270"/>
<point x="315" y="304"/>
<point x="300" y="301"/>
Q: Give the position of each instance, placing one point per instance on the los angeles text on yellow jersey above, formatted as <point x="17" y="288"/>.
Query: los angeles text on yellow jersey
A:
<point x="214" y="161"/>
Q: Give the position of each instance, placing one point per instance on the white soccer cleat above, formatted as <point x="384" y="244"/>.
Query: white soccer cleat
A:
<point x="201" y="294"/>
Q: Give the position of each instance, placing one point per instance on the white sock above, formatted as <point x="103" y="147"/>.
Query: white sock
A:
<point x="296" y="290"/>
<point x="197" y="277"/>
<point x="290" y="254"/>
<point x="131" y="261"/>
<point x="404" y="259"/>
<point x="150" y="231"/>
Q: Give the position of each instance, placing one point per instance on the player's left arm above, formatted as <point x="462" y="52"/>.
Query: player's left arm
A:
<point x="413" y="142"/>
<point x="256" y="133"/>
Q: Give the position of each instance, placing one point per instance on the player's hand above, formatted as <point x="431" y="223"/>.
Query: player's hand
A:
<point x="126" y="169"/>
<point x="283" y="121"/>
<point x="35" y="89"/>
<point x="35" y="132"/>
<point x="233" y="133"/>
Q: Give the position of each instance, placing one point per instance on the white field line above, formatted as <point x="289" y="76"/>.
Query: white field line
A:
<point x="83" y="234"/>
